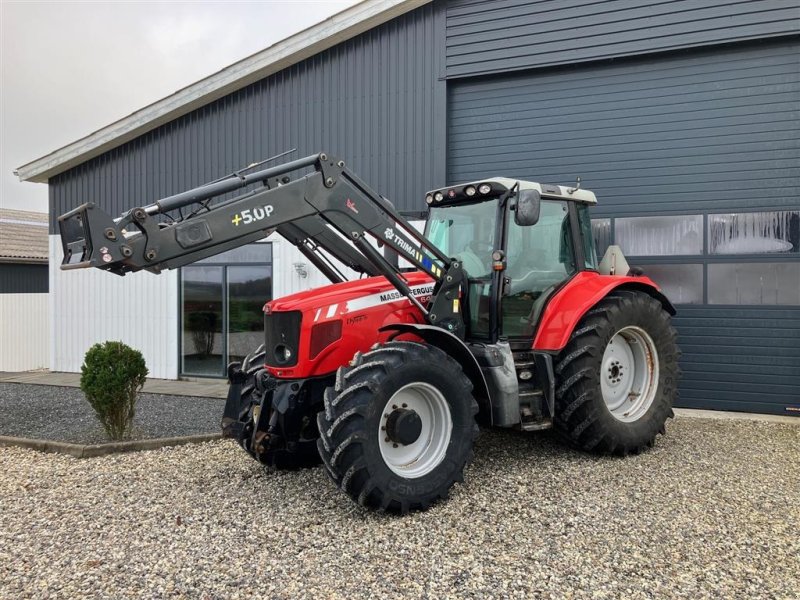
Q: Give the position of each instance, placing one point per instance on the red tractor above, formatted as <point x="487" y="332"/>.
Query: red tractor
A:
<point x="502" y="315"/>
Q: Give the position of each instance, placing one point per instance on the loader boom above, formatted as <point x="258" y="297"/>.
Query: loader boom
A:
<point x="327" y="213"/>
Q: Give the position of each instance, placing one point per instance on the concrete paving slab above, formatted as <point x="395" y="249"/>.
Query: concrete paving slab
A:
<point x="722" y="415"/>
<point x="208" y="388"/>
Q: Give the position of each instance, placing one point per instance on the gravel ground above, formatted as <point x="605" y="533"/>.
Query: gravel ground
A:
<point x="711" y="512"/>
<point x="63" y="414"/>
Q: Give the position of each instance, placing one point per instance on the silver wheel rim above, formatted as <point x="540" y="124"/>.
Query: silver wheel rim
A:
<point x="629" y="374"/>
<point x="428" y="451"/>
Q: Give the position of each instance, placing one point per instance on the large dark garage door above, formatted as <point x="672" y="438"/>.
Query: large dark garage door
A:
<point x="695" y="159"/>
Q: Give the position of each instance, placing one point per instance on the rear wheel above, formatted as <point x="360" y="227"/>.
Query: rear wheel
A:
<point x="398" y="426"/>
<point x="616" y="379"/>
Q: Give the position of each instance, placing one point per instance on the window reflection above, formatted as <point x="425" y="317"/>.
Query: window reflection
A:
<point x="222" y="318"/>
<point x="203" y="351"/>
<point x="660" y="236"/>
<point x="601" y="232"/>
<point x="682" y="284"/>
<point x="754" y="283"/>
<point x="248" y="289"/>
<point x="754" y="233"/>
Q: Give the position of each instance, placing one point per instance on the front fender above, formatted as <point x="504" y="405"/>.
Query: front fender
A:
<point x="436" y="336"/>
<point x="567" y="307"/>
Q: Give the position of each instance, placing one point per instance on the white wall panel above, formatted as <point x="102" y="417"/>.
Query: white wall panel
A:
<point x="24" y="332"/>
<point x="286" y="279"/>
<point x="88" y="306"/>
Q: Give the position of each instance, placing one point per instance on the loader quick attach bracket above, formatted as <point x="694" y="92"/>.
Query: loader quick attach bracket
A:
<point x="328" y="214"/>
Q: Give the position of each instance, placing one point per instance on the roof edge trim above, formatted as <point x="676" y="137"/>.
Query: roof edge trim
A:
<point x="341" y="27"/>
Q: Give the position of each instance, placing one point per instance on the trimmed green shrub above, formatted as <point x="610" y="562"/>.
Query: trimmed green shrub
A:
<point x="111" y="376"/>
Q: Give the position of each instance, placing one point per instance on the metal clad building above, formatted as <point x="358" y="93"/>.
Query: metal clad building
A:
<point x="24" y="311"/>
<point x="369" y="100"/>
<point x="683" y="116"/>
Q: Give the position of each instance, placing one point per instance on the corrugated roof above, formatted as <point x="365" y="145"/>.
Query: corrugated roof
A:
<point x="340" y="27"/>
<point x="23" y="236"/>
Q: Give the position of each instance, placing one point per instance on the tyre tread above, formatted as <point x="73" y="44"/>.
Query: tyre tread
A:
<point x="342" y="424"/>
<point x="581" y="415"/>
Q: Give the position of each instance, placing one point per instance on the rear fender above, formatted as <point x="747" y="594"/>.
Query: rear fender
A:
<point x="568" y="306"/>
<point x="441" y="338"/>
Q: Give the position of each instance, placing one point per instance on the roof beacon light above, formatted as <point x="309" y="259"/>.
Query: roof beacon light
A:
<point x="469" y="190"/>
<point x="484" y="188"/>
<point x="451" y="193"/>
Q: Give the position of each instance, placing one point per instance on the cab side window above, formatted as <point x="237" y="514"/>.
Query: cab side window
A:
<point x="589" y="250"/>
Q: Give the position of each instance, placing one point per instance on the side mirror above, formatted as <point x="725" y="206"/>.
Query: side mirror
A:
<point x="526" y="212"/>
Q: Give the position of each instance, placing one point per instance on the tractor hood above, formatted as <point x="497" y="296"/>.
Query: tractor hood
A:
<point x="323" y="328"/>
<point x="350" y="296"/>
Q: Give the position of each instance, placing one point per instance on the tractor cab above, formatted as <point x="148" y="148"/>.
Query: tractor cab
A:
<point x="518" y="242"/>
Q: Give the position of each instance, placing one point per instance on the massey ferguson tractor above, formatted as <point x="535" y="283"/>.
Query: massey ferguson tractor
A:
<point x="499" y="313"/>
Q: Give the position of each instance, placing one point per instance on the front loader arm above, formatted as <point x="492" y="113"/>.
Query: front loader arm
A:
<point x="306" y="211"/>
<point x="312" y="234"/>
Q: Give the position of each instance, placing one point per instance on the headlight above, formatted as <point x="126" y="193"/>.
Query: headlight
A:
<point x="484" y="188"/>
<point x="283" y="354"/>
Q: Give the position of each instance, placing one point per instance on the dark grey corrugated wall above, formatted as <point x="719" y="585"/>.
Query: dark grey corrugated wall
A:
<point x="21" y="278"/>
<point x="369" y="100"/>
<point x="507" y="35"/>
<point x="711" y="131"/>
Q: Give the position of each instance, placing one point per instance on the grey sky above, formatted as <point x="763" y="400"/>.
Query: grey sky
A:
<point x="69" y="68"/>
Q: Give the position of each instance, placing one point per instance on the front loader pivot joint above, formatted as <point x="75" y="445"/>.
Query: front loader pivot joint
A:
<point x="445" y="308"/>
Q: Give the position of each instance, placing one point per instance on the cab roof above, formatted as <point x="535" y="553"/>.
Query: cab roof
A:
<point x="502" y="184"/>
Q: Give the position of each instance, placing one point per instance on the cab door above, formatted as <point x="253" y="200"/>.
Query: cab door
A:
<point x="539" y="258"/>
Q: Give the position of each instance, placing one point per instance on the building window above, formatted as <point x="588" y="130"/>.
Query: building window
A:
<point x="202" y="311"/>
<point x="249" y="287"/>
<point x="221" y="314"/>
<point x="660" y="236"/>
<point x="754" y="283"/>
<point x="754" y="233"/>
<point x="682" y="284"/>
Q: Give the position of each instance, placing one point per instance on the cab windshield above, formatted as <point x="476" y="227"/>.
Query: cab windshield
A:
<point x="466" y="232"/>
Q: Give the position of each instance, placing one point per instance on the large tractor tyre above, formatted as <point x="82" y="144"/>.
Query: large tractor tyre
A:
<point x="398" y="426"/>
<point x="616" y="380"/>
<point x="305" y="454"/>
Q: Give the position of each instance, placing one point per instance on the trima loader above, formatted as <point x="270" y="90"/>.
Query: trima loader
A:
<point x="506" y="318"/>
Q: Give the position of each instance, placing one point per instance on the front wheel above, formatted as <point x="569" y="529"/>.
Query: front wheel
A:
<point x="616" y="380"/>
<point x="398" y="426"/>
